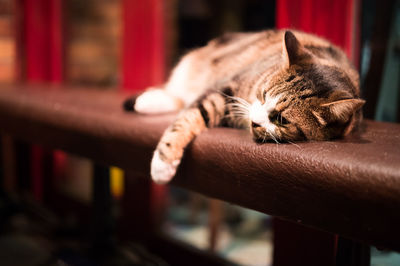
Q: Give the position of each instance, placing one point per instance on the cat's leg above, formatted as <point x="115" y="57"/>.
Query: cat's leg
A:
<point x="205" y="112"/>
<point x="157" y="100"/>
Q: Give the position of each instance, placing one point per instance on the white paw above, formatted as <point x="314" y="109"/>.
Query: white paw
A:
<point x="162" y="172"/>
<point x="156" y="101"/>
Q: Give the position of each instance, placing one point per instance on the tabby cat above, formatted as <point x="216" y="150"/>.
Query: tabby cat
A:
<point x="281" y="85"/>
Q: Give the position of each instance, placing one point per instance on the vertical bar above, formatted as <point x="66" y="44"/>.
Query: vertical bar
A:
<point x="214" y="222"/>
<point x="136" y="217"/>
<point x="351" y="253"/>
<point x="36" y="37"/>
<point x="9" y="164"/>
<point x="19" y="41"/>
<point x="398" y="94"/>
<point x="56" y="62"/>
<point x="19" y="150"/>
<point x="142" y="66"/>
<point x="37" y="157"/>
<point x="379" y="42"/>
<point x="143" y="44"/>
<point x="43" y="40"/>
<point x="295" y="244"/>
<point x="2" y="170"/>
<point x="22" y="166"/>
<point x="40" y="60"/>
<point x="102" y="221"/>
<point x="354" y="32"/>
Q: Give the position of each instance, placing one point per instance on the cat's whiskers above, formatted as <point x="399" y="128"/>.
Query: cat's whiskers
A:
<point x="296" y="145"/>
<point x="239" y="100"/>
<point x="264" y="138"/>
<point x="238" y="111"/>
<point x="273" y="137"/>
<point x="237" y="121"/>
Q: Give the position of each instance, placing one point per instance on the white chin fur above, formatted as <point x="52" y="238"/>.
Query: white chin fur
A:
<point x="156" y="101"/>
<point x="162" y="172"/>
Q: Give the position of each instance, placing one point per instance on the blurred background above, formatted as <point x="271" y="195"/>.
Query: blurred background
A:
<point x="125" y="45"/>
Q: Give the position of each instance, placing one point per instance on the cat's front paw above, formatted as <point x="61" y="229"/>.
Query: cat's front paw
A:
<point x="161" y="171"/>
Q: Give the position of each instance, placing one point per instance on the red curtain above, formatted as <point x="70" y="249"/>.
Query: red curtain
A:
<point x="41" y="60"/>
<point x="43" y="40"/>
<point x="336" y="20"/>
<point x="143" y="44"/>
<point x="143" y="65"/>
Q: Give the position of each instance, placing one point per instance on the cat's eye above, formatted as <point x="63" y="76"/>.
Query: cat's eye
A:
<point x="263" y="95"/>
<point x="278" y="119"/>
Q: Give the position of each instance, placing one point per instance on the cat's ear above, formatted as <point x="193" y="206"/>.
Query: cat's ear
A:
<point x="293" y="51"/>
<point x="341" y="110"/>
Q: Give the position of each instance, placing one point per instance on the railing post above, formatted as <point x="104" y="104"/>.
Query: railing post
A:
<point x="102" y="219"/>
<point x="296" y="244"/>
<point x="135" y="221"/>
<point x="352" y="253"/>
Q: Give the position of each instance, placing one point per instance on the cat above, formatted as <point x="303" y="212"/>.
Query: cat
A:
<point x="282" y="85"/>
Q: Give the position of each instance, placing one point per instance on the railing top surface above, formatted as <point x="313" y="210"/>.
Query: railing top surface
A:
<point x="350" y="186"/>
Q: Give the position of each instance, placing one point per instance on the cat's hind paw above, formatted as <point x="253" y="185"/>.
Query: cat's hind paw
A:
<point x="162" y="172"/>
<point x="156" y="101"/>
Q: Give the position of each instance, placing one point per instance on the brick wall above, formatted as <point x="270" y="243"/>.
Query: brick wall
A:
<point x="93" y="33"/>
<point x="93" y="30"/>
<point x="7" y="43"/>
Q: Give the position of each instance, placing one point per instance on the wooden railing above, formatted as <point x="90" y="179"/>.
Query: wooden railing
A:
<point x="349" y="187"/>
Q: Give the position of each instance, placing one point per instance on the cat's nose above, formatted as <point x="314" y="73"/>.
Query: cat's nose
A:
<point x="255" y="125"/>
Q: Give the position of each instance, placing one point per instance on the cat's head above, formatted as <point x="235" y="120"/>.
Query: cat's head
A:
<point x="308" y="99"/>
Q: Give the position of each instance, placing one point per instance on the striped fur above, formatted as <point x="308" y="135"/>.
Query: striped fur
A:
<point x="281" y="85"/>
